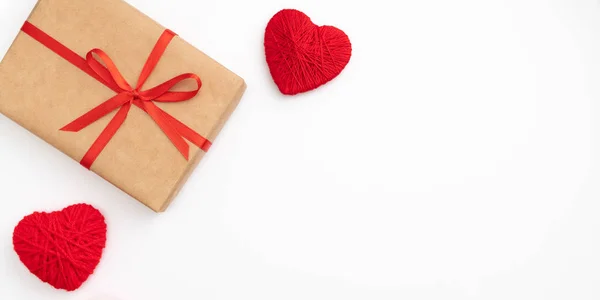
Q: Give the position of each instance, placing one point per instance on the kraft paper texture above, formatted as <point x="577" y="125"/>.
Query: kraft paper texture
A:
<point x="43" y="92"/>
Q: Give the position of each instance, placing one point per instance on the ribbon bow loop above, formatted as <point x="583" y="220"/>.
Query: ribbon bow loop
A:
<point x="106" y="69"/>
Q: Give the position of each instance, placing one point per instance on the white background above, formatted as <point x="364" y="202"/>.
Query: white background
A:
<point x="456" y="157"/>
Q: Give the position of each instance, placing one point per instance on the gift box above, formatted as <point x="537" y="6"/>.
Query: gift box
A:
<point x="117" y="92"/>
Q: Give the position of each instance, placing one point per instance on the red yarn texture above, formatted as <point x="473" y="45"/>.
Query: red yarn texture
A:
<point x="61" y="248"/>
<point x="301" y="55"/>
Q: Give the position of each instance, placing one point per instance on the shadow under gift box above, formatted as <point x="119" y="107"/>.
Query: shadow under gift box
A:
<point x="43" y="92"/>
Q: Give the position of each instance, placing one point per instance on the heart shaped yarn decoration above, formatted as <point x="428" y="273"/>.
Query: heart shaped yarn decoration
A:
<point x="61" y="248"/>
<point x="301" y="55"/>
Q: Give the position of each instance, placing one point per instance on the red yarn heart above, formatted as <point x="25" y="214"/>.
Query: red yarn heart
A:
<point x="301" y="55"/>
<point x="61" y="248"/>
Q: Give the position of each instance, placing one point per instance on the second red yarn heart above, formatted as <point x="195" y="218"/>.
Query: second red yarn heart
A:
<point x="301" y="55"/>
<point x="61" y="248"/>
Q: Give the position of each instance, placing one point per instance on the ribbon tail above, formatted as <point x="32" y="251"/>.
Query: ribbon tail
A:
<point x="158" y="116"/>
<point x="188" y="133"/>
<point x="105" y="137"/>
<point x="97" y="113"/>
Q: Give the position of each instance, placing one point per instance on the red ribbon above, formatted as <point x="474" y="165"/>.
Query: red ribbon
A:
<point x="109" y="75"/>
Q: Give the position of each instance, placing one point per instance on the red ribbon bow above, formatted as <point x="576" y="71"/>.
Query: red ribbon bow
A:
<point x="109" y="75"/>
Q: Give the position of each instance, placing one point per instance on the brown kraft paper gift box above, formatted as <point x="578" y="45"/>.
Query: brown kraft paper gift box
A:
<point x="43" y="92"/>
